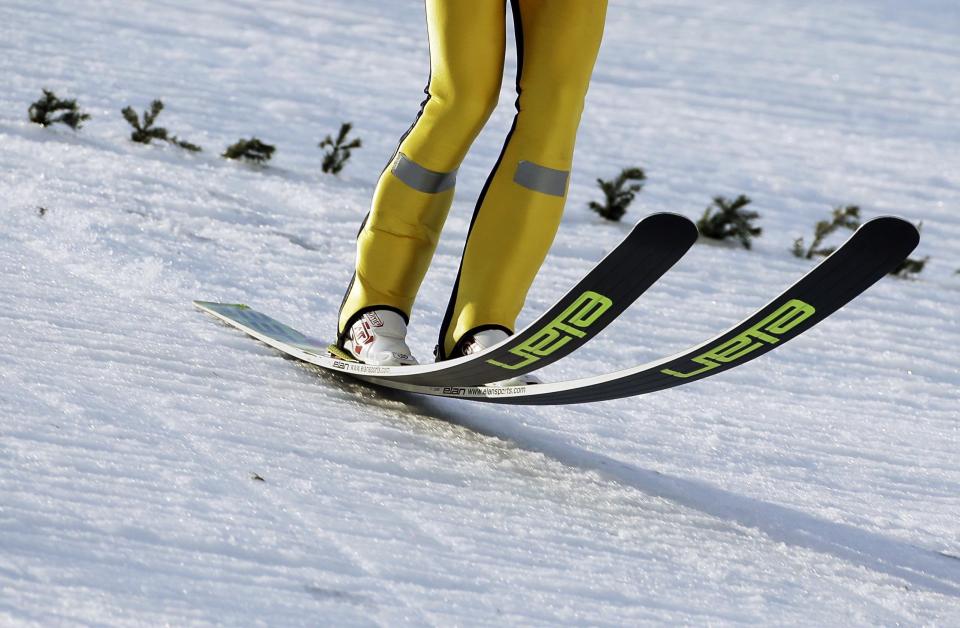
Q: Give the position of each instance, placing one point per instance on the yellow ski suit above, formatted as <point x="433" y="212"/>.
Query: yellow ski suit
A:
<point x="519" y="209"/>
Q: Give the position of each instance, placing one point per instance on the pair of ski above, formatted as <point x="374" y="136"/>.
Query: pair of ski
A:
<point x="652" y="247"/>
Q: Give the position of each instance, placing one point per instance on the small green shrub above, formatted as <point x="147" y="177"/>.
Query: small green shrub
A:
<point x="617" y="194"/>
<point x="250" y="150"/>
<point x="909" y="267"/>
<point x="145" y="132"/>
<point x="843" y="218"/>
<point x="43" y="112"/>
<point x="727" y="219"/>
<point x="339" y="150"/>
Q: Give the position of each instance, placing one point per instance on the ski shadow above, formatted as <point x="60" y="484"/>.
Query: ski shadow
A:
<point x="919" y="567"/>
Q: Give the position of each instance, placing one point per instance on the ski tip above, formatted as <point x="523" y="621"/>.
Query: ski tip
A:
<point x="898" y="229"/>
<point x="208" y="305"/>
<point x="894" y="222"/>
<point x="668" y="222"/>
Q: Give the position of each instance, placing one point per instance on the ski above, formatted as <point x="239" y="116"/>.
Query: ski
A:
<point x="874" y="250"/>
<point x="652" y="247"/>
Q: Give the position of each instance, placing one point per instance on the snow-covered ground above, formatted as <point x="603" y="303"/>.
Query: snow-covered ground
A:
<point x="817" y="485"/>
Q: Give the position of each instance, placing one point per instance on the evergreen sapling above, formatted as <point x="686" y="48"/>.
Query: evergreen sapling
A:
<point x="145" y="132"/>
<point x="252" y="150"/>
<point x="911" y="266"/>
<point x="43" y="112"/>
<point x="339" y="150"/>
<point x="727" y="219"/>
<point x="843" y="218"/>
<point x="617" y="194"/>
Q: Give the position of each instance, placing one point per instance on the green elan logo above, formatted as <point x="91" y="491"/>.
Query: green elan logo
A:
<point x="571" y="324"/>
<point x="766" y="332"/>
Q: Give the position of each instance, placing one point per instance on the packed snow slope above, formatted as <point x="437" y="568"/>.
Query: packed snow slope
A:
<point x="159" y="468"/>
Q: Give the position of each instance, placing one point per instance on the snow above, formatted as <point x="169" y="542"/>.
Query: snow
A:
<point x="817" y="485"/>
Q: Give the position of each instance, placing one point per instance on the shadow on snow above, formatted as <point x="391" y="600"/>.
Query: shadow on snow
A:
<point x="935" y="571"/>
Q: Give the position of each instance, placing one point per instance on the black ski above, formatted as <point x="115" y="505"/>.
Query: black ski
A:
<point x="876" y="248"/>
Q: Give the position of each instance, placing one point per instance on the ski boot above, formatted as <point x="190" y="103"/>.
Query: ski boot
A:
<point x="481" y="340"/>
<point x="378" y="337"/>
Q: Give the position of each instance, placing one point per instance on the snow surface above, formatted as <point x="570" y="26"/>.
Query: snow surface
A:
<point x="817" y="485"/>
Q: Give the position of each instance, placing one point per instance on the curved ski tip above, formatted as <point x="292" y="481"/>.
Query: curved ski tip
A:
<point x="668" y="220"/>
<point x="206" y="305"/>
<point x="902" y="223"/>
<point x="897" y="226"/>
<point x="891" y="233"/>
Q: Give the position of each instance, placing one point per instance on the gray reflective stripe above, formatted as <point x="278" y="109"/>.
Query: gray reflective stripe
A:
<point x="421" y="179"/>
<point x="541" y="179"/>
